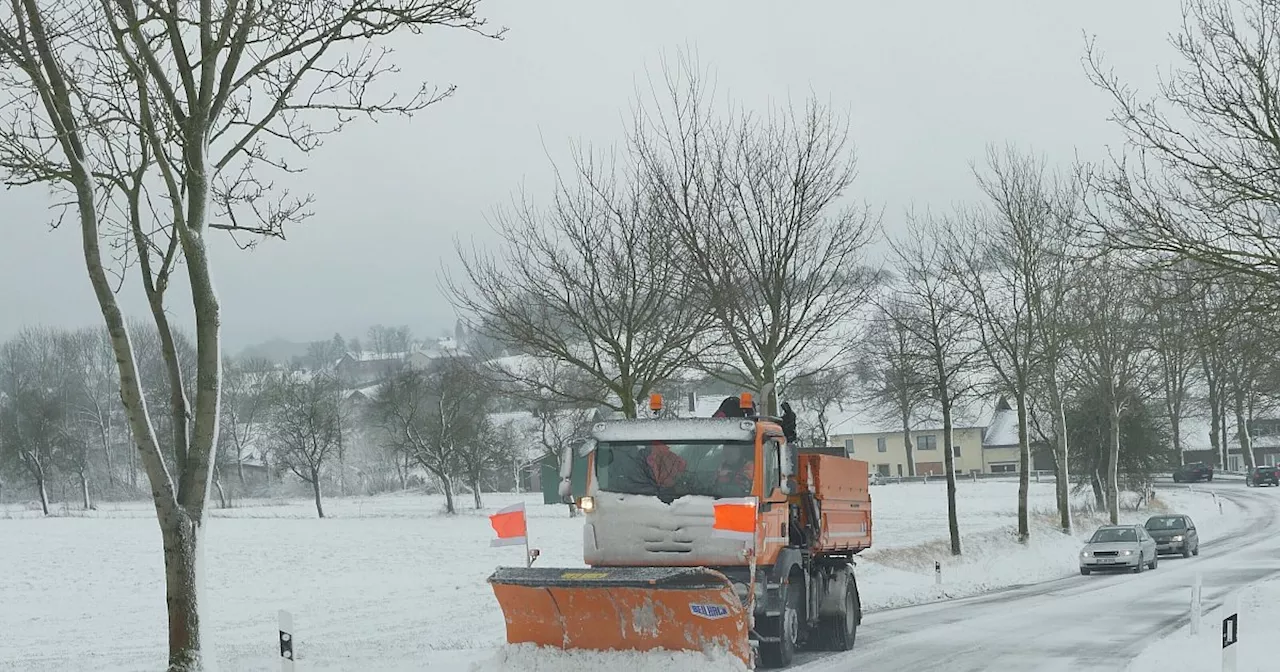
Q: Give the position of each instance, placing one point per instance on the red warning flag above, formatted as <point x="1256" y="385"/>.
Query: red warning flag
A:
<point x="735" y="518"/>
<point x="510" y="525"/>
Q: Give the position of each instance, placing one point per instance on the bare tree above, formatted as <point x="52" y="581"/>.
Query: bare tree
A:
<point x="932" y="310"/>
<point x="322" y="355"/>
<point x="1170" y="296"/>
<point x="1203" y="181"/>
<point x="431" y="415"/>
<point x="305" y="426"/>
<point x="492" y="449"/>
<point x="590" y="283"/>
<point x="817" y="394"/>
<point x="892" y="377"/>
<point x="244" y="406"/>
<point x="196" y="96"/>
<point x="388" y="341"/>
<point x="1009" y="256"/>
<point x="755" y="205"/>
<point x="1111" y="352"/>
<point x="34" y="378"/>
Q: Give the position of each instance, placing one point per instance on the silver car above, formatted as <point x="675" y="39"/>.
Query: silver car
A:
<point x="1113" y="547"/>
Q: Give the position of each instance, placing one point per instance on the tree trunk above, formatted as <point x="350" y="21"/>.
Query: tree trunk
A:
<point x="1222" y="430"/>
<point x="44" y="493"/>
<point x="315" y="489"/>
<point x="217" y="483"/>
<point x="1175" y="425"/>
<point x="84" y="490"/>
<point x="104" y="431"/>
<point x="1061" y="457"/>
<point x="1212" y="382"/>
<point x="906" y="441"/>
<point x="475" y="489"/>
<point x="1024" y="469"/>
<point x="1242" y="432"/>
<point x="446" y="486"/>
<point x="240" y="470"/>
<point x="949" y="460"/>
<point x="1099" y="494"/>
<point x="1113" y="466"/>
<point x="183" y="588"/>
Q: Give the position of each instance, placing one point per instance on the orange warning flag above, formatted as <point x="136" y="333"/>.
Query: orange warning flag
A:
<point x="735" y="518"/>
<point x="510" y="525"/>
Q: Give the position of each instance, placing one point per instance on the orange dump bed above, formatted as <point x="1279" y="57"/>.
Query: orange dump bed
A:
<point x="840" y="486"/>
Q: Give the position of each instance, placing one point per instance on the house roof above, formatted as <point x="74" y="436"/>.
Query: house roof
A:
<point x="1003" y="428"/>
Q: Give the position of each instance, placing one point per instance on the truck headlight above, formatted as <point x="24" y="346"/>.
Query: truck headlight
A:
<point x="587" y="504"/>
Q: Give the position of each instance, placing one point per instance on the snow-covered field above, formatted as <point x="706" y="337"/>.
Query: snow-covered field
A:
<point x="1259" y="623"/>
<point x="388" y="583"/>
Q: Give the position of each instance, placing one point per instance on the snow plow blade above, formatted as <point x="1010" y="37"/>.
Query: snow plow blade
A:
<point x="623" y="608"/>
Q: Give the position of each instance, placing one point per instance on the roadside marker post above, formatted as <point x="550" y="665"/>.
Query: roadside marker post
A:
<point x="1195" y="605"/>
<point x="937" y="573"/>
<point x="1230" y="630"/>
<point x="286" y="641"/>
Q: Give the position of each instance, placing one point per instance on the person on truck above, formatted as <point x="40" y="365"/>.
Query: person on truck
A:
<point x="737" y="470"/>
<point x="664" y="465"/>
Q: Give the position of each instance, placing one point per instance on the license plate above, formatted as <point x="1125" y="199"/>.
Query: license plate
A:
<point x="1106" y="561"/>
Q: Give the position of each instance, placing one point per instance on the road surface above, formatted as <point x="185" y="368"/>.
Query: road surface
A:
<point x="1095" y="623"/>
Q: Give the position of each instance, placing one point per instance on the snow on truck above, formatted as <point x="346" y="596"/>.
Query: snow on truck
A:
<point x="660" y="574"/>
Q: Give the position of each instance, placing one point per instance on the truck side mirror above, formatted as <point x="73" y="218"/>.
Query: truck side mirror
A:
<point x="787" y="455"/>
<point x="585" y="447"/>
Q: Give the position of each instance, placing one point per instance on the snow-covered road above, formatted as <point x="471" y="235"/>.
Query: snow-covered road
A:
<point x="1097" y="622"/>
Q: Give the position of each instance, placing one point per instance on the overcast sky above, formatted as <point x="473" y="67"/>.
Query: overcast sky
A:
<point x="927" y="84"/>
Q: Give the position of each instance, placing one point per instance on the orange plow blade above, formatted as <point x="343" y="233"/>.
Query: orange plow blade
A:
<point x="623" y="608"/>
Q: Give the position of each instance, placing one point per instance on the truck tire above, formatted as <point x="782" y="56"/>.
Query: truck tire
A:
<point x="838" y="633"/>
<point x="786" y="627"/>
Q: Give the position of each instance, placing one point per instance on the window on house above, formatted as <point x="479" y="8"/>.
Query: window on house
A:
<point x="955" y="450"/>
<point x="899" y="470"/>
<point x="882" y="469"/>
<point x="927" y="442"/>
<point x="1004" y="468"/>
<point x="882" y="445"/>
<point x="848" y="446"/>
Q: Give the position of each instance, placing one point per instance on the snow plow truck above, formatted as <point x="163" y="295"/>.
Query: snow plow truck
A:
<point x="658" y="575"/>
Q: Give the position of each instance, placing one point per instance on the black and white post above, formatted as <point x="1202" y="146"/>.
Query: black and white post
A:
<point x="1230" y="630"/>
<point x="937" y="573"/>
<point x="286" y="641"/>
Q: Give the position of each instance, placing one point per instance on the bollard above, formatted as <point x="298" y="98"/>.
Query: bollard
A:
<point x="937" y="573"/>
<point x="1230" y="630"/>
<point x="286" y="641"/>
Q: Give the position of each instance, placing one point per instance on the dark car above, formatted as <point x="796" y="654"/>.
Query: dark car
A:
<point x="1192" y="472"/>
<point x="1174" y="533"/>
<point x="1263" y="476"/>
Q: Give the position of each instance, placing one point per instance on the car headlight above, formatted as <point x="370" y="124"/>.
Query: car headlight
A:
<point x="1086" y="554"/>
<point x="1126" y="552"/>
<point x="1176" y="537"/>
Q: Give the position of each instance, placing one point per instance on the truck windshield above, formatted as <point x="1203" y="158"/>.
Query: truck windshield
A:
<point x="670" y="470"/>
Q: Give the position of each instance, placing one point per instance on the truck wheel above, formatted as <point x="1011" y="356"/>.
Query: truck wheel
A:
<point x="838" y="633"/>
<point x="786" y="628"/>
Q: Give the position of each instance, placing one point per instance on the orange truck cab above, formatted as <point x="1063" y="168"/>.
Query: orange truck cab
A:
<point x="658" y="568"/>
